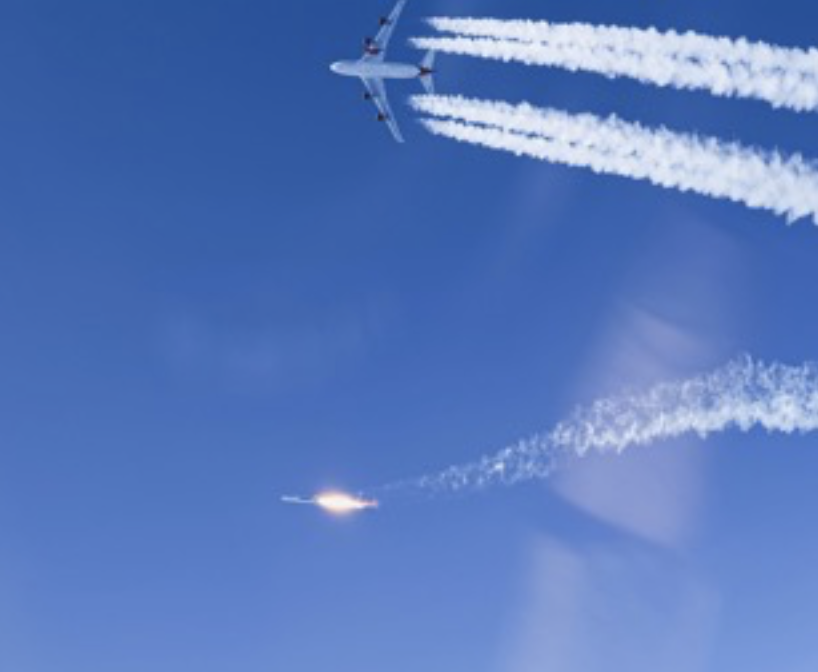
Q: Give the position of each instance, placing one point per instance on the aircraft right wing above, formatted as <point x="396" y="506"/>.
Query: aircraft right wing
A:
<point x="377" y="93"/>
<point x="376" y="48"/>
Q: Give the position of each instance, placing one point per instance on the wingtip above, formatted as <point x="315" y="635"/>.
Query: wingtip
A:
<point x="290" y="499"/>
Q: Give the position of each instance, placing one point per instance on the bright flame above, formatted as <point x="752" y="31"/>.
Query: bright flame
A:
<point x="340" y="503"/>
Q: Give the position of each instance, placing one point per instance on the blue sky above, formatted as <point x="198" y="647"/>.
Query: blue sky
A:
<point x="221" y="281"/>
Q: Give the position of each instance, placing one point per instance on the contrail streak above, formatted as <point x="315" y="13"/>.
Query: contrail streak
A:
<point x="743" y="394"/>
<point x="782" y="77"/>
<point x="787" y="186"/>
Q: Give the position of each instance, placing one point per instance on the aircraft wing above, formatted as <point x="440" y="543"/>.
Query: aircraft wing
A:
<point x="296" y="500"/>
<point x="377" y="92"/>
<point x="381" y="41"/>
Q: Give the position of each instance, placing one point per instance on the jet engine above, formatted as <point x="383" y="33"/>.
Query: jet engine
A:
<point x="371" y="47"/>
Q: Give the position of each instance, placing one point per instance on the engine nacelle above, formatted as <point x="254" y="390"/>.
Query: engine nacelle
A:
<point x="381" y="117"/>
<point x="371" y="47"/>
<point x="384" y="21"/>
<point x="367" y="95"/>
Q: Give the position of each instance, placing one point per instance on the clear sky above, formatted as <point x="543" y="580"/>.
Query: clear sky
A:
<point x="221" y="281"/>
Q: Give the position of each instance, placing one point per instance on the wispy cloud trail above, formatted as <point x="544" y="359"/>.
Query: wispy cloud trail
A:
<point x="787" y="186"/>
<point x="783" y="77"/>
<point x="743" y="395"/>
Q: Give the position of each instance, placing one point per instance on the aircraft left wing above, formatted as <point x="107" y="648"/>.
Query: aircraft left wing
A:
<point x="377" y="93"/>
<point x="376" y="49"/>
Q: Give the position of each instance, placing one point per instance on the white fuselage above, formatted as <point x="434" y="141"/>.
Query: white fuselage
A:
<point x="375" y="70"/>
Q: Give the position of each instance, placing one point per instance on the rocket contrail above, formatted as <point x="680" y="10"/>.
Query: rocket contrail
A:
<point x="782" y="77"/>
<point x="743" y="394"/>
<point x="787" y="186"/>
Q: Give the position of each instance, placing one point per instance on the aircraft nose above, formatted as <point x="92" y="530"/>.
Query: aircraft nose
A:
<point x="334" y="67"/>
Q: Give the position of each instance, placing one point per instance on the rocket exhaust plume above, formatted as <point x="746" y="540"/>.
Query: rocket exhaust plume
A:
<point x="335" y="502"/>
<point x="782" y="77"/>
<point x="787" y="186"/>
<point x="744" y="394"/>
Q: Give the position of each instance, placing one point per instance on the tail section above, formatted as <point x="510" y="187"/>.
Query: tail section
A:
<point x="427" y="69"/>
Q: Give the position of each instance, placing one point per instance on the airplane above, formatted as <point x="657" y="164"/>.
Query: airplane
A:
<point x="372" y="69"/>
<point x="333" y="501"/>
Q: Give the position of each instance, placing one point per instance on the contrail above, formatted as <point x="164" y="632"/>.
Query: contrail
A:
<point x="787" y="186"/>
<point x="782" y="77"/>
<point x="744" y="394"/>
